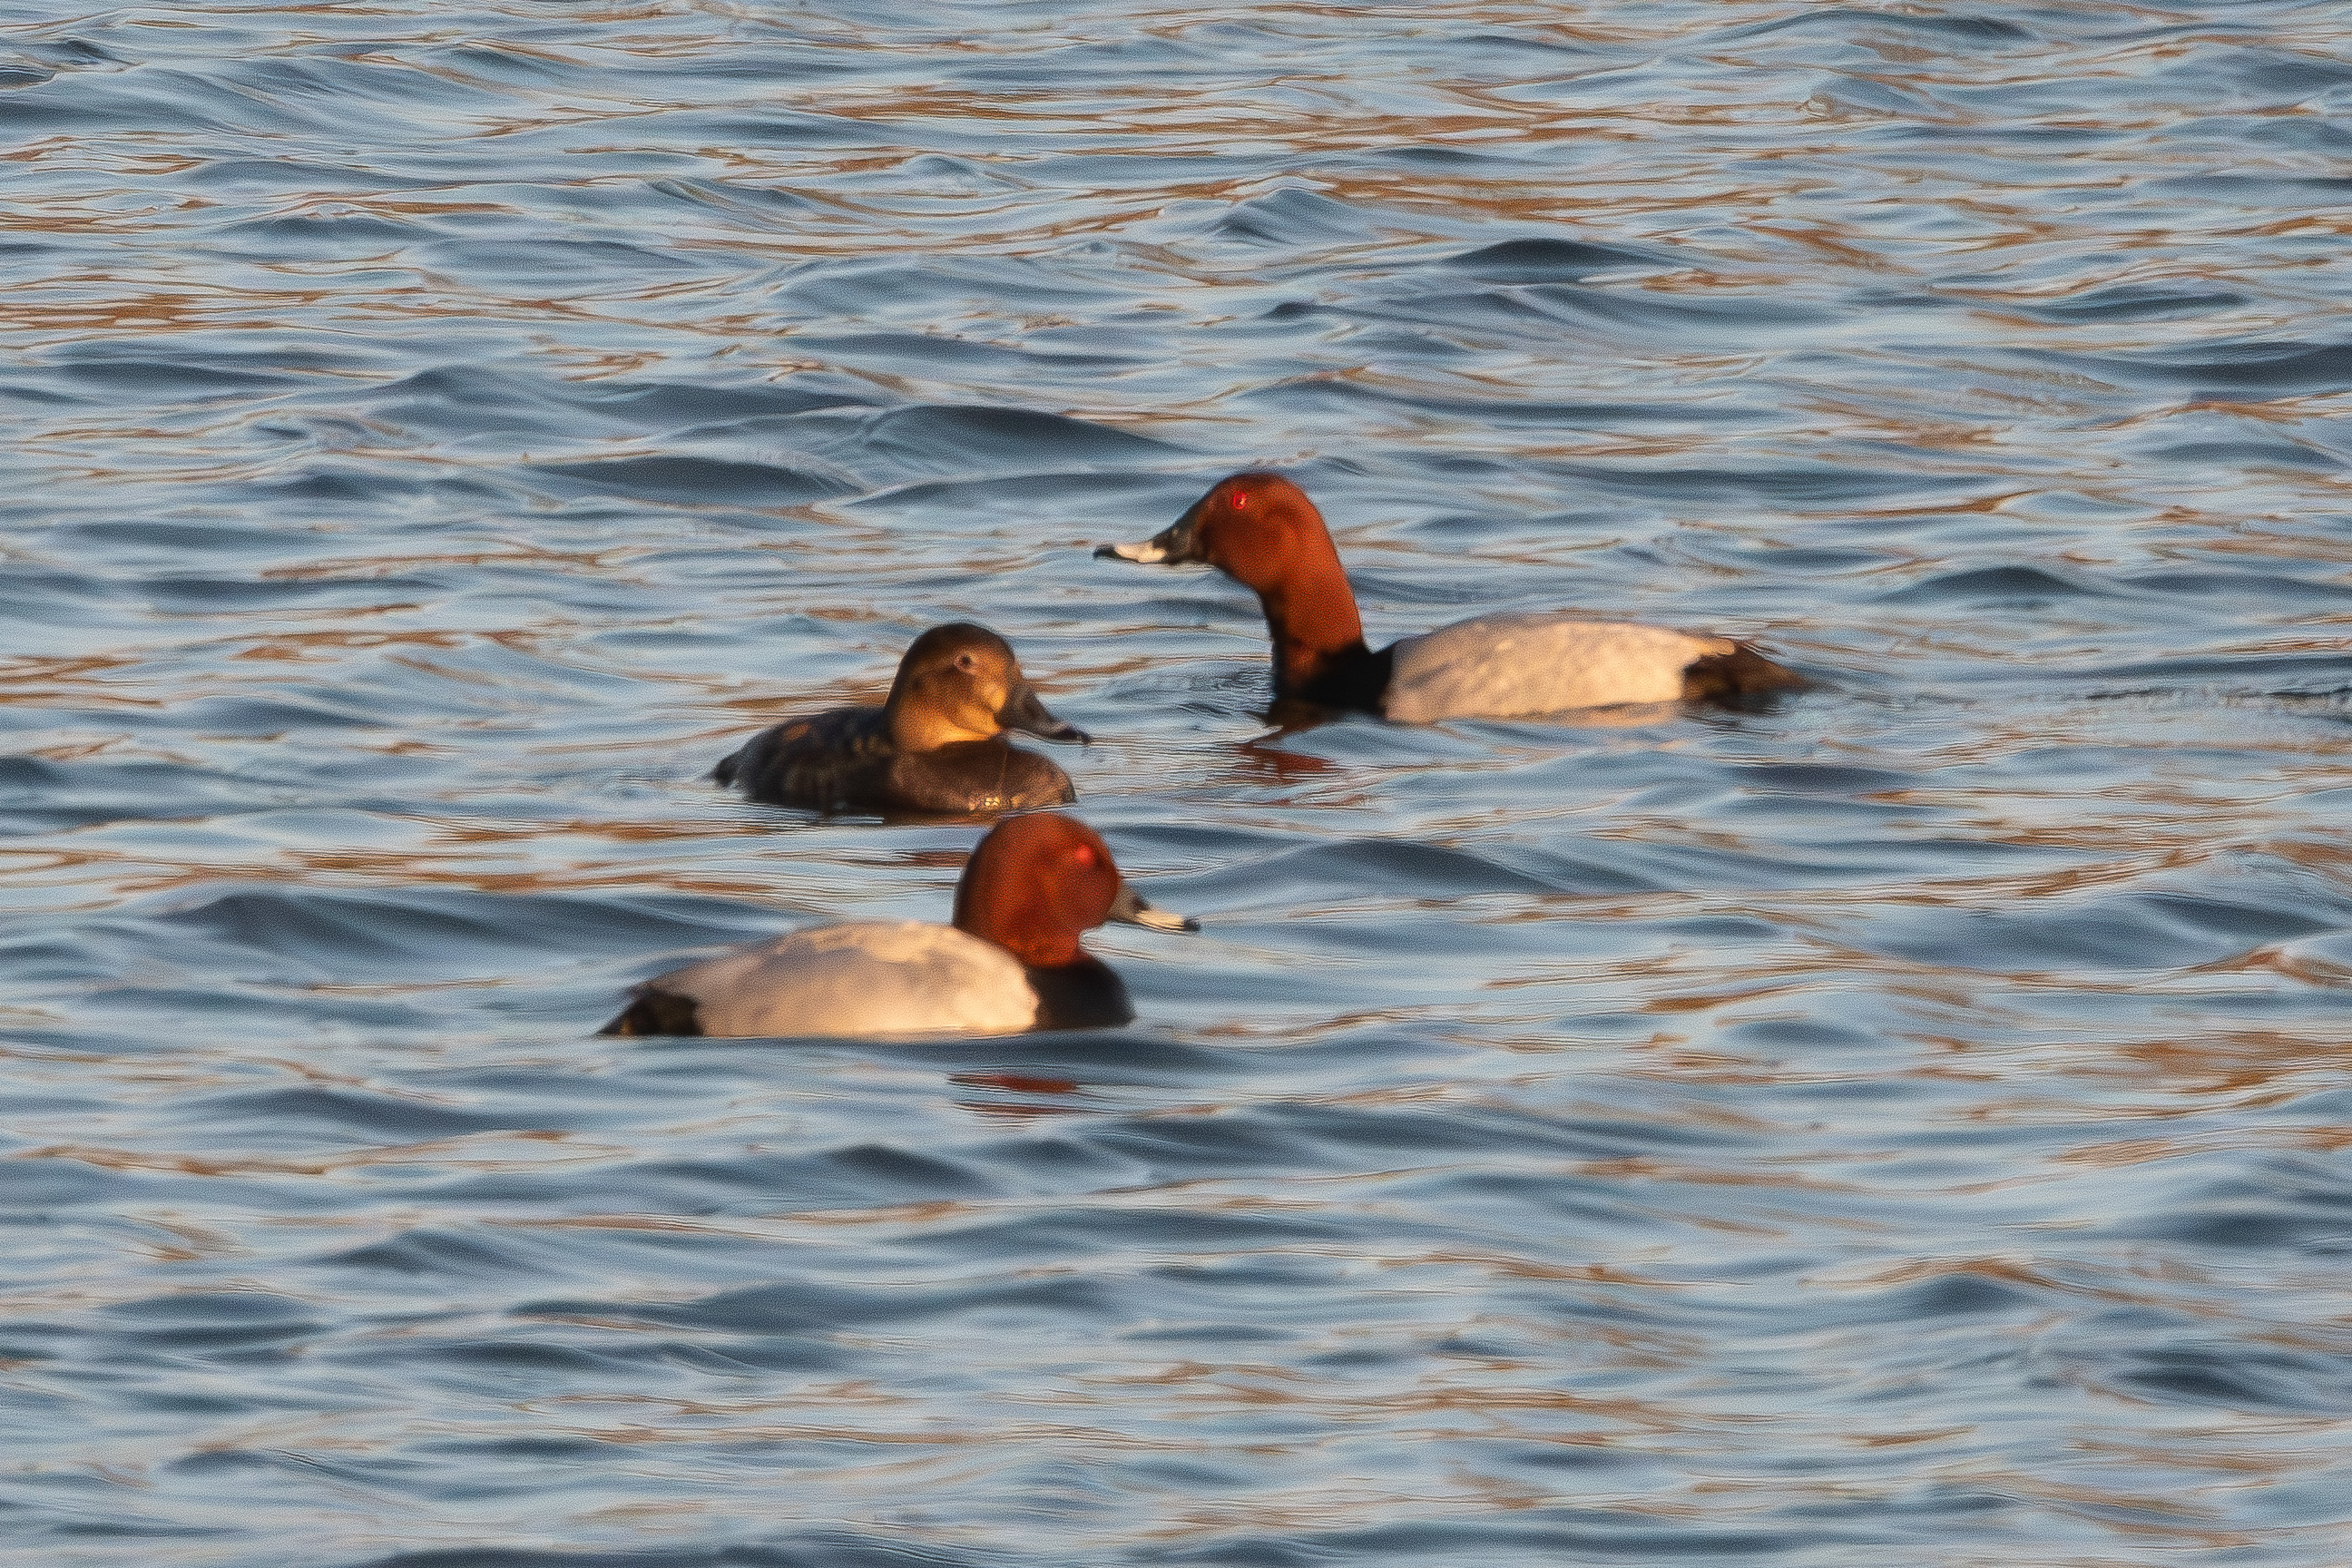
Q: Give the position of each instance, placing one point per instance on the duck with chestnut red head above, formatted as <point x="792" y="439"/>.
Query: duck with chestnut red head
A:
<point x="1260" y="529"/>
<point x="936" y="744"/>
<point x="1011" y="962"/>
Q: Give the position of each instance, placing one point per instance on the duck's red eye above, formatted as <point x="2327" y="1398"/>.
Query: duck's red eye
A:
<point x="1084" y="855"/>
<point x="1239" y="501"/>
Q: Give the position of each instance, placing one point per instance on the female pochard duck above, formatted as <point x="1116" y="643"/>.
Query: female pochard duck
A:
<point x="1260" y="529"/>
<point x="936" y="743"/>
<point x="1011" y="962"/>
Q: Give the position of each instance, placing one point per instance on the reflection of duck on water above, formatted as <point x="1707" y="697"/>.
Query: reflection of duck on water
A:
<point x="1260" y="529"/>
<point x="1260" y="762"/>
<point x="1010" y="961"/>
<point x="936" y="743"/>
<point x="1028" y="1086"/>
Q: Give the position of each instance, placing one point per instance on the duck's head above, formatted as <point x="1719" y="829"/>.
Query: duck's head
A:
<point x="960" y="682"/>
<point x="1257" y="528"/>
<point x="1037" y="883"/>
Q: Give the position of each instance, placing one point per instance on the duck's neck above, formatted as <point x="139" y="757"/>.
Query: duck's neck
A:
<point x="1029" y="934"/>
<point x="917" y="728"/>
<point x="1318" y="638"/>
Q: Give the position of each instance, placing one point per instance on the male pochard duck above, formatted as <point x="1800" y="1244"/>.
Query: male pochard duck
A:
<point x="1260" y="529"/>
<point x="1011" y="962"/>
<point x="936" y="743"/>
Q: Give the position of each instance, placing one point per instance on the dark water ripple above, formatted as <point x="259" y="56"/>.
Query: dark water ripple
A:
<point x="1904" y="1127"/>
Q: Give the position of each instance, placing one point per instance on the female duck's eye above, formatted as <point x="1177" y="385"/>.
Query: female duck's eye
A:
<point x="965" y="661"/>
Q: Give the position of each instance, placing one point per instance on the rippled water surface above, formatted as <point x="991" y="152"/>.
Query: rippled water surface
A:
<point x="1908" y="1126"/>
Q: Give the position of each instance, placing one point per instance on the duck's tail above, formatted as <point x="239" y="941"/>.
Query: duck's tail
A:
<point x="652" y="1012"/>
<point x="1743" y="678"/>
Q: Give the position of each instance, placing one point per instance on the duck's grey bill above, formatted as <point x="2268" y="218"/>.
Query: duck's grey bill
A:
<point x="1130" y="907"/>
<point x="1023" y="711"/>
<point x="1146" y="552"/>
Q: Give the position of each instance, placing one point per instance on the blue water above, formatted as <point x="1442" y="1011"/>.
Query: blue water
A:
<point x="1905" y="1126"/>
